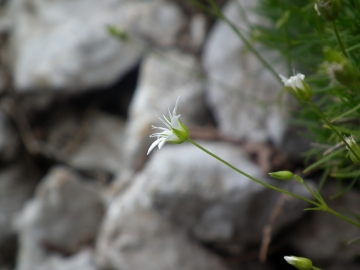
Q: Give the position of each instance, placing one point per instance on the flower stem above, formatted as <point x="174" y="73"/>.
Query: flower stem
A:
<point x="329" y="210"/>
<point x="287" y="38"/>
<point x="339" y="39"/>
<point x="243" y="39"/>
<point x="301" y="181"/>
<point x="321" y="206"/>
<point x="322" y="116"/>
<point x="253" y="178"/>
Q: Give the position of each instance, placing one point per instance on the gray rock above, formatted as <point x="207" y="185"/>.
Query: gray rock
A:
<point x="322" y="236"/>
<point x="81" y="261"/>
<point x="65" y="45"/>
<point x="210" y="201"/>
<point x="213" y="202"/>
<point x="64" y="214"/>
<point x="197" y="31"/>
<point x="241" y="92"/>
<point x="102" y="147"/>
<point x="16" y="186"/>
<point x="162" y="79"/>
<point x="133" y="237"/>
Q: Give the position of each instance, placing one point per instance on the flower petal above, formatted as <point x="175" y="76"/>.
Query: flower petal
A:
<point x="163" y="141"/>
<point x="153" y="145"/>
<point x="175" y="122"/>
<point x="176" y="105"/>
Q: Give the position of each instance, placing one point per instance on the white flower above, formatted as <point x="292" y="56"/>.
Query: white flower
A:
<point x="293" y="81"/>
<point x="298" y="86"/>
<point x="174" y="132"/>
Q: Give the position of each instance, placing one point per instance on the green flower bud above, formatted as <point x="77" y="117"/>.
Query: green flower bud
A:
<point x="282" y="175"/>
<point x="299" y="262"/>
<point x="339" y="67"/>
<point x="296" y="85"/>
<point x="328" y="9"/>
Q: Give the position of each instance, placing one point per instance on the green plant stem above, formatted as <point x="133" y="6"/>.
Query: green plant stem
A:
<point x="329" y="210"/>
<point x="300" y="180"/>
<point x="242" y="37"/>
<point x="339" y="39"/>
<point x="322" y="116"/>
<point x="287" y="38"/>
<point x="253" y="178"/>
<point x="322" y="207"/>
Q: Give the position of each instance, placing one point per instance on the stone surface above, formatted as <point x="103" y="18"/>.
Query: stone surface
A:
<point x="16" y="186"/>
<point x="241" y="91"/>
<point x="64" y="215"/>
<point x="197" y="30"/>
<point x="102" y="147"/>
<point x="195" y="192"/>
<point x="133" y="237"/>
<point x="213" y="202"/>
<point x="321" y="235"/>
<point x="81" y="261"/>
<point x="65" y="45"/>
<point x="162" y="79"/>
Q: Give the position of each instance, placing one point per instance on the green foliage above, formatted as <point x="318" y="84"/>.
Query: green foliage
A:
<point x="311" y="45"/>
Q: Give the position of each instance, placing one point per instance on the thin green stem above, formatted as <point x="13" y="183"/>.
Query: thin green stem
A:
<point x="242" y="37"/>
<point x="306" y="185"/>
<point x="321" y="206"/>
<point x="339" y="39"/>
<point x="287" y="38"/>
<point x="253" y="178"/>
<point x="322" y="116"/>
<point x="329" y="210"/>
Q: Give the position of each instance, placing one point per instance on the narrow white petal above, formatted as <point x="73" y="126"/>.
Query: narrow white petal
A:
<point x="153" y="145"/>
<point x="317" y="10"/>
<point x="175" y="122"/>
<point x="289" y="259"/>
<point x="153" y="127"/>
<point x="284" y="79"/>
<point x="161" y="144"/>
<point x="300" y="76"/>
<point x="176" y="105"/>
<point x="165" y="122"/>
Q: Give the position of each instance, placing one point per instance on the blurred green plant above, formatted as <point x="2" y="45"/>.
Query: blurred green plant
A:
<point x="322" y="39"/>
<point x="328" y="50"/>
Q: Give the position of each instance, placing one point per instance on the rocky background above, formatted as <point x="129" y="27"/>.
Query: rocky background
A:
<point x="77" y="190"/>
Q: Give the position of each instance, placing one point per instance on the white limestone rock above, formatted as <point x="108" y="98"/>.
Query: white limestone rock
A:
<point x="241" y="91"/>
<point x="65" y="211"/>
<point x="64" y="45"/>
